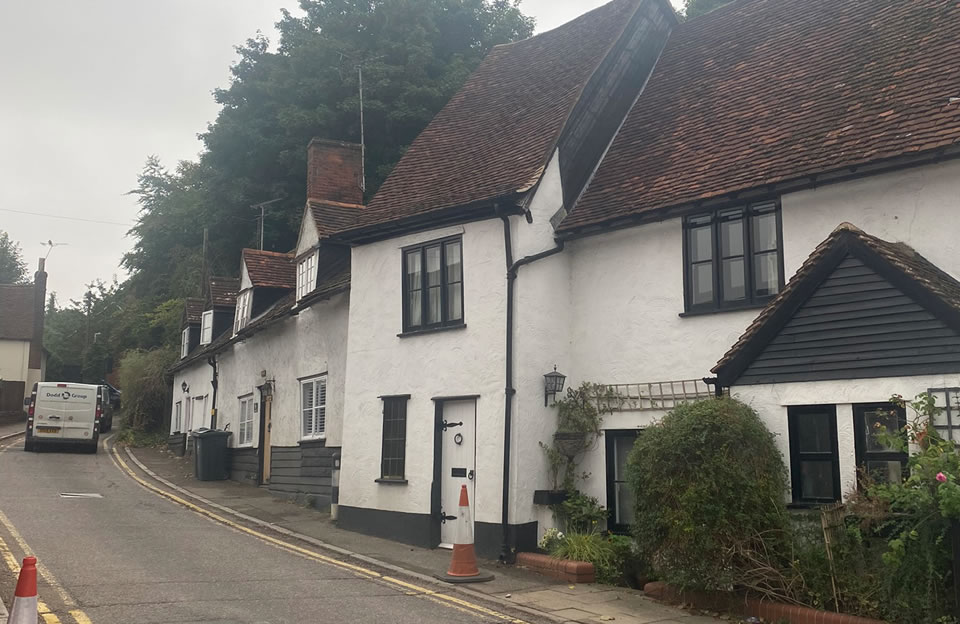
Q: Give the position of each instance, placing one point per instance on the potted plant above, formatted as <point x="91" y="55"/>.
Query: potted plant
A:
<point x="579" y="419"/>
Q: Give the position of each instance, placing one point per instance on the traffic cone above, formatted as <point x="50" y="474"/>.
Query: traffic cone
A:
<point x="25" y="607"/>
<point x="463" y="565"/>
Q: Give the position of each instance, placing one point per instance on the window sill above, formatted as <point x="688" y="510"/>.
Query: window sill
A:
<point x="313" y="439"/>
<point x="802" y="506"/>
<point x="244" y="446"/>
<point x="391" y="481"/>
<point x="711" y="311"/>
<point x="432" y="330"/>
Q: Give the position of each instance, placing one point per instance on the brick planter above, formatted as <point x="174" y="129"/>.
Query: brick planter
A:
<point x="569" y="571"/>
<point x="768" y="610"/>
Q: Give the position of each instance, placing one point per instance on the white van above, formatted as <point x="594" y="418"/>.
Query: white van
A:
<point x="64" y="413"/>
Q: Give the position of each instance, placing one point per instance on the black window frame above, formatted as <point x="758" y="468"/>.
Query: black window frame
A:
<point x="393" y="448"/>
<point x="860" y="439"/>
<point x="421" y="249"/>
<point x="795" y="414"/>
<point x="610" y="438"/>
<point x="716" y="218"/>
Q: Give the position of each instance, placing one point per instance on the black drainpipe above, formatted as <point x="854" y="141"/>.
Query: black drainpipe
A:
<point x="212" y="361"/>
<point x="506" y="551"/>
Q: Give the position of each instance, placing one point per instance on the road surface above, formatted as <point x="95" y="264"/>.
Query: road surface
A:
<point x="127" y="555"/>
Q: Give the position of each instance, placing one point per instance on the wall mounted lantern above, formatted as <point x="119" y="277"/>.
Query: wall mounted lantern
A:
<point x="552" y="384"/>
<point x="185" y="387"/>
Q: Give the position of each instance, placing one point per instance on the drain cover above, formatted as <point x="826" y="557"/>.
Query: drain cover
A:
<point x="80" y="495"/>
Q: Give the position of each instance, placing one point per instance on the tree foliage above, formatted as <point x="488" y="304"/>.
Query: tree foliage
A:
<point x="414" y="56"/>
<point x="13" y="270"/>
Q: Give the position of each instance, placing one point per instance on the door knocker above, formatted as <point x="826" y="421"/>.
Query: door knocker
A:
<point x="458" y="439"/>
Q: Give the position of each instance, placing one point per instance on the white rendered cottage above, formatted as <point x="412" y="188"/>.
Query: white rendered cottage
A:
<point x="618" y="198"/>
<point x="280" y="362"/>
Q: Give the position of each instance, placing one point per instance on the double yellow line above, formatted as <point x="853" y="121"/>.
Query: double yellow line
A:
<point x="409" y="589"/>
<point x="49" y="617"/>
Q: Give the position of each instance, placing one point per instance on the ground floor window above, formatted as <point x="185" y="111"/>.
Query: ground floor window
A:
<point x="177" y="417"/>
<point x="947" y="422"/>
<point x="313" y="406"/>
<point x="620" y="499"/>
<point x="876" y="459"/>
<point x="814" y="454"/>
<point x="394" y="450"/>
<point x="245" y="424"/>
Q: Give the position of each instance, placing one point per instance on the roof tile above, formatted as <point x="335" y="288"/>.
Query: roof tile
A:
<point x="16" y="311"/>
<point x="763" y="91"/>
<point x="270" y="269"/>
<point x="494" y="137"/>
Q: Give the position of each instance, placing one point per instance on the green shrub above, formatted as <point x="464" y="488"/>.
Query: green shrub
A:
<point x="580" y="513"/>
<point x="143" y="379"/>
<point x="708" y="478"/>
<point x="613" y="556"/>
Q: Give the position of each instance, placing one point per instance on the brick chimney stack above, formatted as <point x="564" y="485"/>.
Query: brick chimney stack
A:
<point x="334" y="171"/>
<point x="39" y="307"/>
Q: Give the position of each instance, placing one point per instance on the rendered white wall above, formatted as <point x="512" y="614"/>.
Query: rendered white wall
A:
<point x="772" y="400"/>
<point x="627" y="286"/>
<point x="446" y="363"/>
<point x="307" y="344"/>
<point x="14" y="360"/>
<point x="198" y="377"/>
<point x="307" y="238"/>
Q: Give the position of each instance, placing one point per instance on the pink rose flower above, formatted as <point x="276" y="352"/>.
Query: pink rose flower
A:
<point x="942" y="478"/>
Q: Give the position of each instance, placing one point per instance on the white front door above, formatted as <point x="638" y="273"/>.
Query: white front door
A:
<point x="458" y="455"/>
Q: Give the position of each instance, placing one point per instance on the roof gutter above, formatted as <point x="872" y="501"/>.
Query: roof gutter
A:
<point x="763" y="191"/>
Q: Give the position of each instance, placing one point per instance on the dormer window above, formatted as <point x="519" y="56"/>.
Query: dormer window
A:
<point x="306" y="275"/>
<point x="243" y="311"/>
<point x="185" y="342"/>
<point x="206" y="328"/>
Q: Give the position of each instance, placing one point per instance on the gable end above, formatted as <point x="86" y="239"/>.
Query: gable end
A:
<point x="856" y="324"/>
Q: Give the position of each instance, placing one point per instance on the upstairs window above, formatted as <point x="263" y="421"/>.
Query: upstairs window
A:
<point x="433" y="285"/>
<point x="185" y="342"/>
<point x="733" y="258"/>
<point x="306" y="275"/>
<point x="313" y="406"/>
<point x="243" y="311"/>
<point x="206" y="328"/>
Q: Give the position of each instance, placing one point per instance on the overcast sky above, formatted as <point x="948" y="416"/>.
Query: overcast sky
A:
<point x="90" y="88"/>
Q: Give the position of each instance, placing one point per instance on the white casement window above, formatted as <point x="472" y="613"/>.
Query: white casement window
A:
<point x="177" y="417"/>
<point x="206" y="328"/>
<point x="184" y="342"/>
<point x="306" y="275"/>
<point x="243" y="311"/>
<point x="313" y="406"/>
<point x="245" y="426"/>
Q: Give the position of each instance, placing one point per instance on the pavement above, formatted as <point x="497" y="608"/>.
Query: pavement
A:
<point x="513" y="587"/>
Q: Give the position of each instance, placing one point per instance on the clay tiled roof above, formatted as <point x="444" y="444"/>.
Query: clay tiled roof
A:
<point x="901" y="257"/>
<point x="765" y="91"/>
<point x="493" y="138"/>
<point x="223" y="291"/>
<point x="193" y="310"/>
<point x="16" y="312"/>
<point x="330" y="217"/>
<point x="270" y="269"/>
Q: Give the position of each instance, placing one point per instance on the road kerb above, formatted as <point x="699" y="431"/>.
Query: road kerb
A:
<point x="9" y="436"/>
<point x="423" y="578"/>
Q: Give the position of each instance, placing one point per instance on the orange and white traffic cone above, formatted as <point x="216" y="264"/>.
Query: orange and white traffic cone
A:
<point x="463" y="566"/>
<point x="25" y="606"/>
